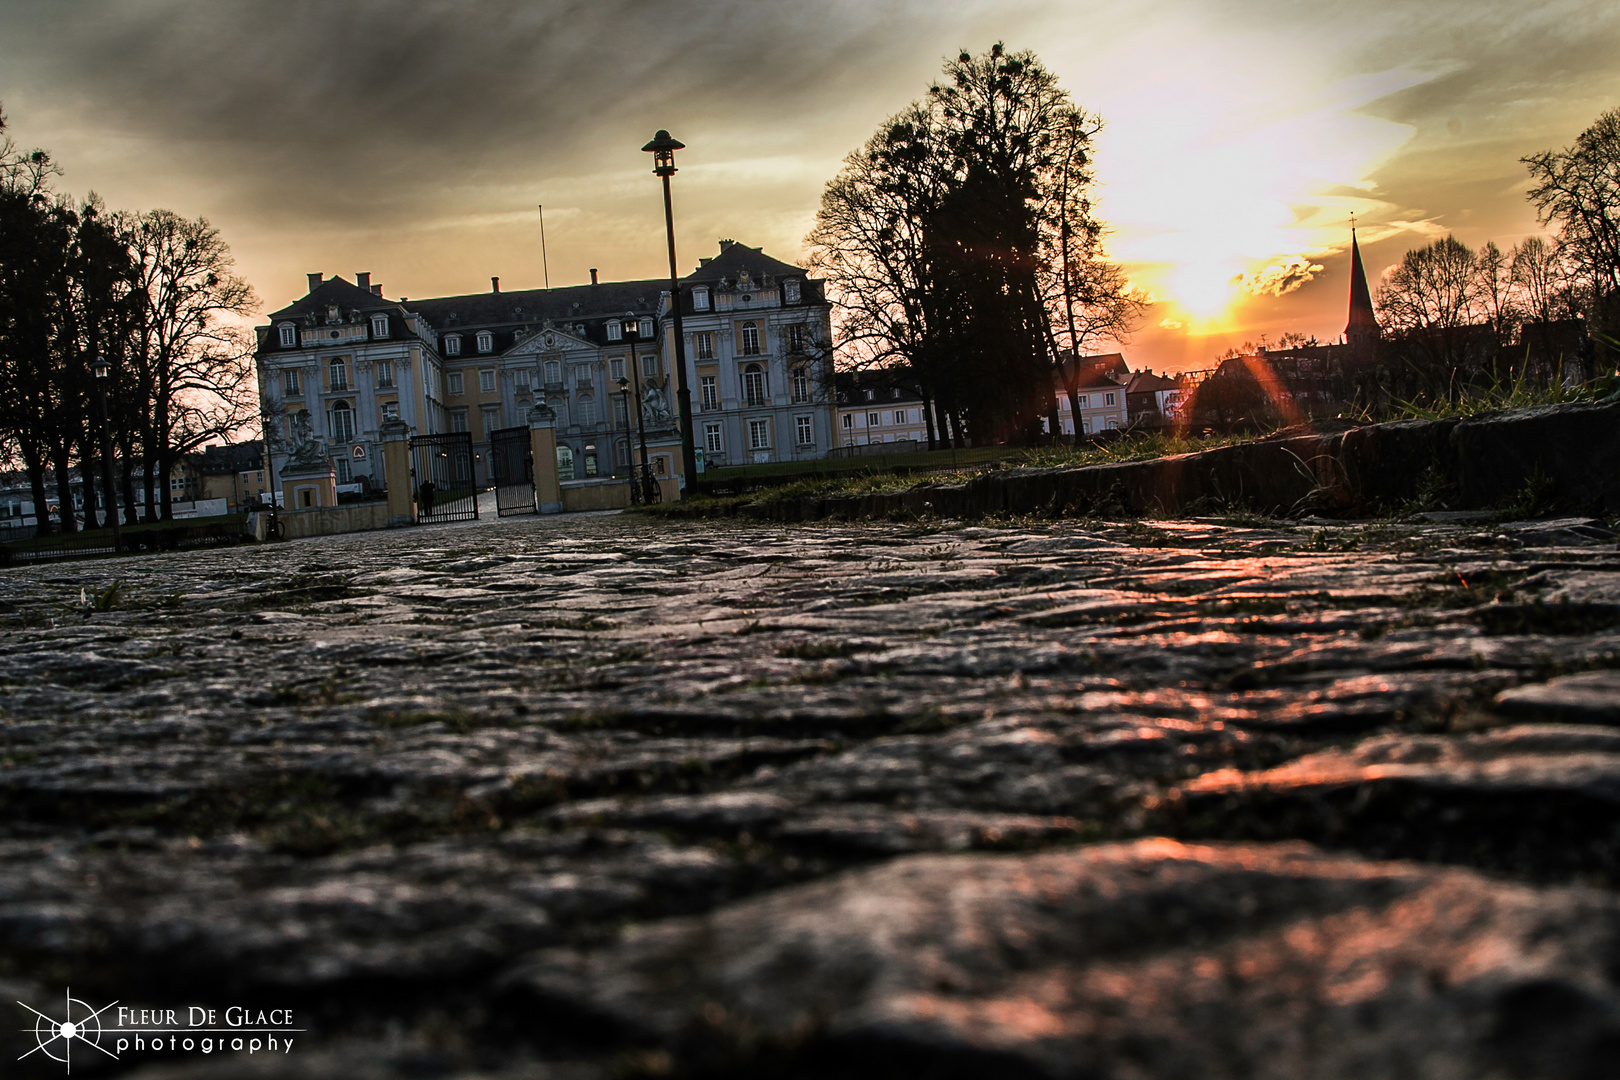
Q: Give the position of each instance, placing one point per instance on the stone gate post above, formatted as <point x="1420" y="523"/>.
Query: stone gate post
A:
<point x="396" y="440"/>
<point x="543" y="445"/>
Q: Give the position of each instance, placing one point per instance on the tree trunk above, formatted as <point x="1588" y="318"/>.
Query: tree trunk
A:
<point x="127" y="485"/>
<point x="64" y="490"/>
<point x="35" y="465"/>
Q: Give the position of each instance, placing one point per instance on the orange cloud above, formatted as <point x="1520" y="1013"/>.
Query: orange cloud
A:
<point x="1278" y="279"/>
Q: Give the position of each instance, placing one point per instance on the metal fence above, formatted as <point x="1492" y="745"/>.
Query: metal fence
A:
<point x="511" y="470"/>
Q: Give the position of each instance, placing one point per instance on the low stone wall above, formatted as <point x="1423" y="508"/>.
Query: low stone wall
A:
<point x="355" y="517"/>
<point x="608" y="493"/>
<point x="1564" y="457"/>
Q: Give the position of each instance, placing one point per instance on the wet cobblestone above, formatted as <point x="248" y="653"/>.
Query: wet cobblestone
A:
<point x="422" y="784"/>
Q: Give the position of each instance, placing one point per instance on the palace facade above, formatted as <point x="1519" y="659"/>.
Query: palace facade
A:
<point x="341" y="360"/>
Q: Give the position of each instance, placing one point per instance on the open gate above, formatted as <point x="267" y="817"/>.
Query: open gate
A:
<point x="511" y="470"/>
<point x="442" y="469"/>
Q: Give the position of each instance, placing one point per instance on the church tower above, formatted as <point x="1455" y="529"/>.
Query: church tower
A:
<point x="1362" y="330"/>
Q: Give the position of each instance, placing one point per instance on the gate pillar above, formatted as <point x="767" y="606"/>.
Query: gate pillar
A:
<point x="397" y="472"/>
<point x="543" y="443"/>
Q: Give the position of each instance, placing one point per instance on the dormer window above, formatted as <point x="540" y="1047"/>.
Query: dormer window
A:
<point x="700" y="298"/>
<point x="289" y="335"/>
<point x="790" y="290"/>
<point x="615" y="331"/>
<point x="379" y="326"/>
<point x="646" y="330"/>
<point x="452" y="345"/>
<point x="486" y="341"/>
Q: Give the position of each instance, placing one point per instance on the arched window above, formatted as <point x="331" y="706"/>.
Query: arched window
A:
<point x="342" y="422"/>
<point x="565" y="463"/>
<point x="337" y="374"/>
<point x="754" y="384"/>
<point x="750" y="339"/>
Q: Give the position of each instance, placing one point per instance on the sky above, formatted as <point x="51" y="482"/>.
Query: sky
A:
<point x="415" y="139"/>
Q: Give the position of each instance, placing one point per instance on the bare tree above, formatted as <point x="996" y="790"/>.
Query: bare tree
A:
<point x="193" y="363"/>
<point x="1578" y="190"/>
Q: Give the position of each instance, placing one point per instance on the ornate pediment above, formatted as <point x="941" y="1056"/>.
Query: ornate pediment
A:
<point x="550" y="339"/>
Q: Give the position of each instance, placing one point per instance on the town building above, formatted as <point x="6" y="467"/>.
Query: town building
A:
<point x="337" y="363"/>
<point x="878" y="407"/>
<point x="233" y="472"/>
<point x="1099" y="395"/>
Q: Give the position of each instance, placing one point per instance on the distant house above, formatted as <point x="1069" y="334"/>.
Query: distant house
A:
<point x="877" y="407"/>
<point x="1098" y="394"/>
<point x="1151" y="400"/>
<point x="234" y="472"/>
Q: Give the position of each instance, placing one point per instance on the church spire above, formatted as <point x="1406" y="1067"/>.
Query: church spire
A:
<point x="1363" y="325"/>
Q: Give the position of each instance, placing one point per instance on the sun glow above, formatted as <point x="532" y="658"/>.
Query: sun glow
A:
<point x="1227" y="159"/>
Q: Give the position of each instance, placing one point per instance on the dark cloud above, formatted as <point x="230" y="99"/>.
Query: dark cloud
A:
<point x="350" y="104"/>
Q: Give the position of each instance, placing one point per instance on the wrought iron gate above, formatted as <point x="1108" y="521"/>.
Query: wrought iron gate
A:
<point x="511" y="470"/>
<point x="442" y="469"/>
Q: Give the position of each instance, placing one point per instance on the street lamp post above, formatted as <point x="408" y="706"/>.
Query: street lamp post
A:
<point x="632" y="332"/>
<point x="663" y="148"/>
<point x="624" y="390"/>
<point x="101" y="369"/>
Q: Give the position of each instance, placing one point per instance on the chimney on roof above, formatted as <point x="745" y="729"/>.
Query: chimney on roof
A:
<point x="704" y="262"/>
<point x="376" y="290"/>
<point x="363" y="280"/>
<point x="494" y="284"/>
<point x="593" y="275"/>
<point x="314" y="281"/>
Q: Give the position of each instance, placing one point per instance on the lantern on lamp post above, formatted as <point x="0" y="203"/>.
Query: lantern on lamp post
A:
<point x="663" y="148"/>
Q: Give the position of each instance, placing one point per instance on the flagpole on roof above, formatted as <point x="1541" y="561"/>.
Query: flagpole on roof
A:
<point x="543" y="266"/>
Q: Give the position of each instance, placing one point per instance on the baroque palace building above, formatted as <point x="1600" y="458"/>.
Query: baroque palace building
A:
<point x="337" y="363"/>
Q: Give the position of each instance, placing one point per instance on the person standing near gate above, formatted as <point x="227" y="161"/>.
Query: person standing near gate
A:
<point x="425" y="497"/>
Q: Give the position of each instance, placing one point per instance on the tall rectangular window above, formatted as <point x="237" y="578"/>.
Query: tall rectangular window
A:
<point x="804" y="430"/>
<point x="491" y="417"/>
<point x="615" y="330"/>
<point x="847" y="420"/>
<point x="486" y="381"/>
<point x="790" y="290"/>
<point x="754" y="384"/>
<point x="452" y="345"/>
<point x="454" y="383"/>
<point x="458" y="419"/>
<point x="801" y="386"/>
<point x="759" y="434"/>
<point x="703" y="346"/>
<point x="710" y="391"/>
<point x="700" y="298"/>
<point x="1108" y="399"/>
<point x="379" y="326"/>
<point x="796" y="338"/>
<point x="337" y="374"/>
<point x="621" y="412"/>
<point x="649" y="366"/>
<point x="385" y="372"/>
<point x="873" y="419"/>
<point x="587" y="412"/>
<point x="615" y="368"/>
<point x="521" y="378"/>
<point x="749" y="338"/>
<point x="899" y="416"/>
<point x="711" y="439"/>
<point x="344" y="475"/>
<point x="289" y="383"/>
<point x="289" y="336"/>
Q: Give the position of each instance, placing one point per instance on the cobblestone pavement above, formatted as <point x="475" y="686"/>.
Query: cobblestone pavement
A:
<point x="605" y="796"/>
